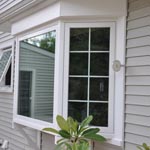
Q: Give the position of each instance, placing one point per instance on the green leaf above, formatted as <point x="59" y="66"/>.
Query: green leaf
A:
<point x="51" y="130"/>
<point x="86" y="121"/>
<point x="74" y="146"/>
<point x="145" y="146"/>
<point x="139" y="147"/>
<point x="62" y="140"/>
<point x="60" y="146"/>
<point x="65" y="134"/>
<point x="62" y="123"/>
<point x="95" y="137"/>
<point x="68" y="146"/>
<point x="73" y="124"/>
<point x="91" y="131"/>
<point x="83" y="146"/>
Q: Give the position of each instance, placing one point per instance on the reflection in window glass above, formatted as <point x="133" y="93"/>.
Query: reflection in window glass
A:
<point x="78" y="88"/>
<point x="99" y="111"/>
<point x="79" y="39"/>
<point x="78" y="113"/>
<point x="100" y="39"/>
<point x="36" y="77"/>
<point x="76" y="60"/>
<point x="89" y="74"/>
<point x="99" y="64"/>
<point x="99" y="89"/>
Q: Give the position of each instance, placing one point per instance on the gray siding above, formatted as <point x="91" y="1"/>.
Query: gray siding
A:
<point x="43" y="64"/>
<point x="16" y="140"/>
<point x="137" y="114"/>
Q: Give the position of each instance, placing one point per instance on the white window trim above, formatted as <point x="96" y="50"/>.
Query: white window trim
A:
<point x="117" y="137"/>
<point x="8" y="89"/>
<point x="110" y="128"/>
<point x="27" y="121"/>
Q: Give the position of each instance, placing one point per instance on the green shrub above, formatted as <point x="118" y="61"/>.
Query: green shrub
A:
<point x="75" y="136"/>
<point x="144" y="146"/>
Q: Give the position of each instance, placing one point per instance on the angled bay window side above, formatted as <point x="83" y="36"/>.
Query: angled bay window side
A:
<point x="89" y="78"/>
<point x="6" y="69"/>
<point x="35" y="75"/>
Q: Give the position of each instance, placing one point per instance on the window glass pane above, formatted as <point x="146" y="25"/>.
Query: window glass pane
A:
<point x="99" y="111"/>
<point x="77" y="110"/>
<point x="89" y="74"/>
<point x="99" y="64"/>
<point x="36" y="76"/>
<point x="100" y="39"/>
<point x="79" y="39"/>
<point x="78" y="88"/>
<point x="8" y="76"/>
<point x="25" y="90"/>
<point x="78" y="64"/>
<point x="4" y="60"/>
<point x="99" y="89"/>
<point x="44" y="41"/>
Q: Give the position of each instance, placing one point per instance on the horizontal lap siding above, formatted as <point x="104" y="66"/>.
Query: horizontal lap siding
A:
<point x="44" y="80"/>
<point x="137" y="112"/>
<point x="16" y="140"/>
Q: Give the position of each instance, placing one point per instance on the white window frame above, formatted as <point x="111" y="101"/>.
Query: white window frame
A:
<point x="23" y="120"/>
<point x="4" y="88"/>
<point x="111" y="25"/>
<point x="117" y="136"/>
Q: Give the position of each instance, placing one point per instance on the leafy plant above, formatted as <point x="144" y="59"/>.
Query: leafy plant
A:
<point x="75" y="136"/>
<point x="144" y="146"/>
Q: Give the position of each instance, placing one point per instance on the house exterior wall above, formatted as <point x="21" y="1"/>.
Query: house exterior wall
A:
<point x="16" y="140"/>
<point x="137" y="112"/>
<point x="137" y="101"/>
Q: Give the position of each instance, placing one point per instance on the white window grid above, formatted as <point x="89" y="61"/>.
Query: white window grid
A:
<point x="89" y="52"/>
<point x="109" y="130"/>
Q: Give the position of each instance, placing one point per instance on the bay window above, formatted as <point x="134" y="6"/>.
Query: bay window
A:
<point x="67" y="70"/>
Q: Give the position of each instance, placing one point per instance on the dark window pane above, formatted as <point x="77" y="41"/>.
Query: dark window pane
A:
<point x="77" y="110"/>
<point x="99" y="64"/>
<point x="100" y="39"/>
<point x="79" y="39"/>
<point x="25" y="81"/>
<point x="99" y="111"/>
<point x="78" y="64"/>
<point x="8" y="77"/>
<point x="99" y="89"/>
<point x="77" y="88"/>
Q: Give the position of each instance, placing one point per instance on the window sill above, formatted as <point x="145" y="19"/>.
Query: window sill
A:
<point x="31" y="123"/>
<point x="39" y="125"/>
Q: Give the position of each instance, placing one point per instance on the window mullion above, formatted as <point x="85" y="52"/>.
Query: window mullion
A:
<point x="88" y="93"/>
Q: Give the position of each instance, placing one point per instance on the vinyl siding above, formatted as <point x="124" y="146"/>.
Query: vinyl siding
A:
<point x="44" y="79"/>
<point x="137" y="112"/>
<point x="7" y="132"/>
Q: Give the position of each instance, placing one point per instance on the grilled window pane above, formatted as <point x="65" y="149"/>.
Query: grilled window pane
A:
<point x="79" y="39"/>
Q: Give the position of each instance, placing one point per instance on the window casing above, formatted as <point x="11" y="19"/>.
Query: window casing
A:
<point x="83" y="79"/>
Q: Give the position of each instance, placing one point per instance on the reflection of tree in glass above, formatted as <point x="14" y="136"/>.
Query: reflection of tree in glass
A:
<point x="100" y="114"/>
<point x="44" y="41"/>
